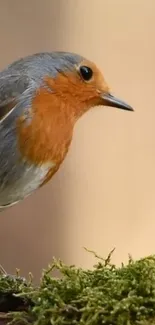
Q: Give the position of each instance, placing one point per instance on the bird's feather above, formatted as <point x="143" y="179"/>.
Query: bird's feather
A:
<point x="11" y="88"/>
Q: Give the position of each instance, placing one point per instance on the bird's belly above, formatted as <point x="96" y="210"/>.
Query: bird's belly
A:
<point x="15" y="190"/>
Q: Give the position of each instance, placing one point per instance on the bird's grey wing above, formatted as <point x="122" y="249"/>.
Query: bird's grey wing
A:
<point x="11" y="87"/>
<point x="15" y="175"/>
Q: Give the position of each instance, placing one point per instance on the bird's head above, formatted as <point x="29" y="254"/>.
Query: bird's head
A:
<point x="81" y="85"/>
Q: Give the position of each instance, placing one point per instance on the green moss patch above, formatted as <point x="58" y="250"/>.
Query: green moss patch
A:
<point x="106" y="294"/>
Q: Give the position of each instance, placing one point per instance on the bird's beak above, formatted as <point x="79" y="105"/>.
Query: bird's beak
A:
<point x="110" y="100"/>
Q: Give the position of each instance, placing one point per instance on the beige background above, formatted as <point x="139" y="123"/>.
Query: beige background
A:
<point x="104" y="194"/>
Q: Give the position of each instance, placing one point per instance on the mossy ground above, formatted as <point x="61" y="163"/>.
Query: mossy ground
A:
<point x="106" y="294"/>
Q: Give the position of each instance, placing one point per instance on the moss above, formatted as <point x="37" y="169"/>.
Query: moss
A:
<point x="104" y="295"/>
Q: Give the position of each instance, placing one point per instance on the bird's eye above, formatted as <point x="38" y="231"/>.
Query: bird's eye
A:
<point x="86" y="73"/>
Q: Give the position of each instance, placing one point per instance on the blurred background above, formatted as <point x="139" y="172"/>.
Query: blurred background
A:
<point x="104" y="193"/>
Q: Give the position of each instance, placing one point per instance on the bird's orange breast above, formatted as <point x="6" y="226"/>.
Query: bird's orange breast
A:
<point x="48" y="136"/>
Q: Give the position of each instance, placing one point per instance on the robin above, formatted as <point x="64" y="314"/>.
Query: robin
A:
<point x="41" y="98"/>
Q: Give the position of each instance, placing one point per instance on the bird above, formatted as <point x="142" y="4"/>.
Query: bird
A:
<point x="42" y="96"/>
